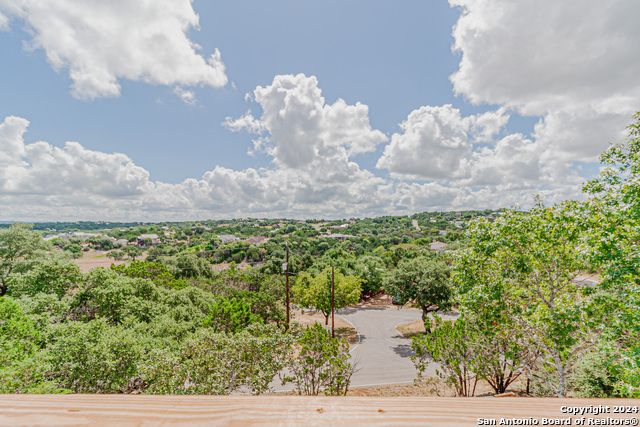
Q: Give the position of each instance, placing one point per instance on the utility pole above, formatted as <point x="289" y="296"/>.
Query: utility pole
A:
<point x="287" y="285"/>
<point x="333" y="313"/>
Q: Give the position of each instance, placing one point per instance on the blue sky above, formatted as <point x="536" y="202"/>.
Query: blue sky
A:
<point x="178" y="110"/>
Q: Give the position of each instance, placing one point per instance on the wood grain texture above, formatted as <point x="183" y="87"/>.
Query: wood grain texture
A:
<point x="127" y="410"/>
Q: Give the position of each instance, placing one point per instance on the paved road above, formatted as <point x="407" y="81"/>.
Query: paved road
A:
<point x="383" y="355"/>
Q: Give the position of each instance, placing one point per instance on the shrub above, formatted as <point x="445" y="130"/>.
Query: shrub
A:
<point x="210" y="362"/>
<point x="322" y="363"/>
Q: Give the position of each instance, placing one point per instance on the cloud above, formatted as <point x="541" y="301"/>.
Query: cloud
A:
<point x="302" y="127"/>
<point x="437" y="143"/>
<point x="42" y="169"/>
<point x="245" y="122"/>
<point x="187" y="96"/>
<point x="39" y="181"/>
<point x="455" y="161"/>
<point x="4" y="22"/>
<point x="574" y="65"/>
<point x="101" y="42"/>
<point x="468" y="158"/>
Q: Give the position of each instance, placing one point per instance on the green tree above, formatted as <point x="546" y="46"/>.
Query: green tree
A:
<point x="20" y="247"/>
<point x="230" y="315"/>
<point x="519" y="274"/>
<point x="116" y="255"/>
<point x="95" y="357"/>
<point x="156" y="272"/>
<point x="54" y="274"/>
<point x="423" y="280"/>
<point x="18" y="336"/>
<point x="132" y="252"/>
<point x="321" y="364"/>
<point x="210" y="362"/>
<point x="21" y="370"/>
<point x="315" y="291"/>
<point x="451" y="346"/>
<point x="612" y="244"/>
<point x="74" y="249"/>
<point x="372" y="272"/>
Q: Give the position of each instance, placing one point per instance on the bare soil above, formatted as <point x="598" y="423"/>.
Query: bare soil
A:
<point x="343" y="328"/>
<point x="412" y="329"/>
<point x="435" y="387"/>
<point x="377" y="301"/>
<point x="93" y="259"/>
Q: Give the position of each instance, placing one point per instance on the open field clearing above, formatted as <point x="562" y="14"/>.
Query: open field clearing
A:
<point x="93" y="259"/>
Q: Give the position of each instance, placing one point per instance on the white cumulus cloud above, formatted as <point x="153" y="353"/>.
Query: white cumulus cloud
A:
<point x="100" y="42"/>
<point x="303" y="127"/>
<point x="575" y="64"/>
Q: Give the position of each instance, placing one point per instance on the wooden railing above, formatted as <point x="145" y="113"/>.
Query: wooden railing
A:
<point x="127" y="410"/>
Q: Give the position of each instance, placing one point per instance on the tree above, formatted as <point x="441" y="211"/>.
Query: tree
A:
<point x="315" y="291"/>
<point x="322" y="364"/>
<point x="451" y="346"/>
<point x="423" y="280"/>
<point x="612" y="244"/>
<point x="19" y="248"/>
<point x="156" y="272"/>
<point x="519" y="275"/>
<point x="132" y="251"/>
<point x="372" y="272"/>
<point x="209" y="362"/>
<point x="230" y="315"/>
<point x="116" y="255"/>
<point x="613" y="212"/>
<point x="74" y="249"/>
<point x="54" y="274"/>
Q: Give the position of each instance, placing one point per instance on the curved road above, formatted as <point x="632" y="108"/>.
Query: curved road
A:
<point x="382" y="355"/>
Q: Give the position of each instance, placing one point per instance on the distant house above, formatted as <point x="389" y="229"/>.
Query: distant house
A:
<point x="82" y="235"/>
<point x="228" y="238"/>
<point x="257" y="240"/>
<point x="338" y="236"/>
<point x="442" y="233"/>
<point x="148" y="240"/>
<point x="438" y="246"/>
<point x="121" y="242"/>
<point x="338" y="227"/>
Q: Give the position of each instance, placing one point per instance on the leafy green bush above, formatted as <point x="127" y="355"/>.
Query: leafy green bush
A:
<point x="18" y="336"/>
<point x="156" y="272"/>
<point x="230" y="315"/>
<point x="210" y="362"/>
<point x="322" y="363"/>
<point x="22" y="370"/>
<point x="54" y="274"/>
<point x="451" y="345"/>
<point x="95" y="357"/>
<point x="597" y="373"/>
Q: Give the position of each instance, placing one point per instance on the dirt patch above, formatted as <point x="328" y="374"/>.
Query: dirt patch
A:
<point x="412" y="329"/>
<point x="343" y="328"/>
<point x="435" y="387"/>
<point x="377" y="301"/>
<point x="93" y="259"/>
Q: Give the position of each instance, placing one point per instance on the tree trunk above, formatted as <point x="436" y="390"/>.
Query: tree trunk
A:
<point x="425" y="319"/>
